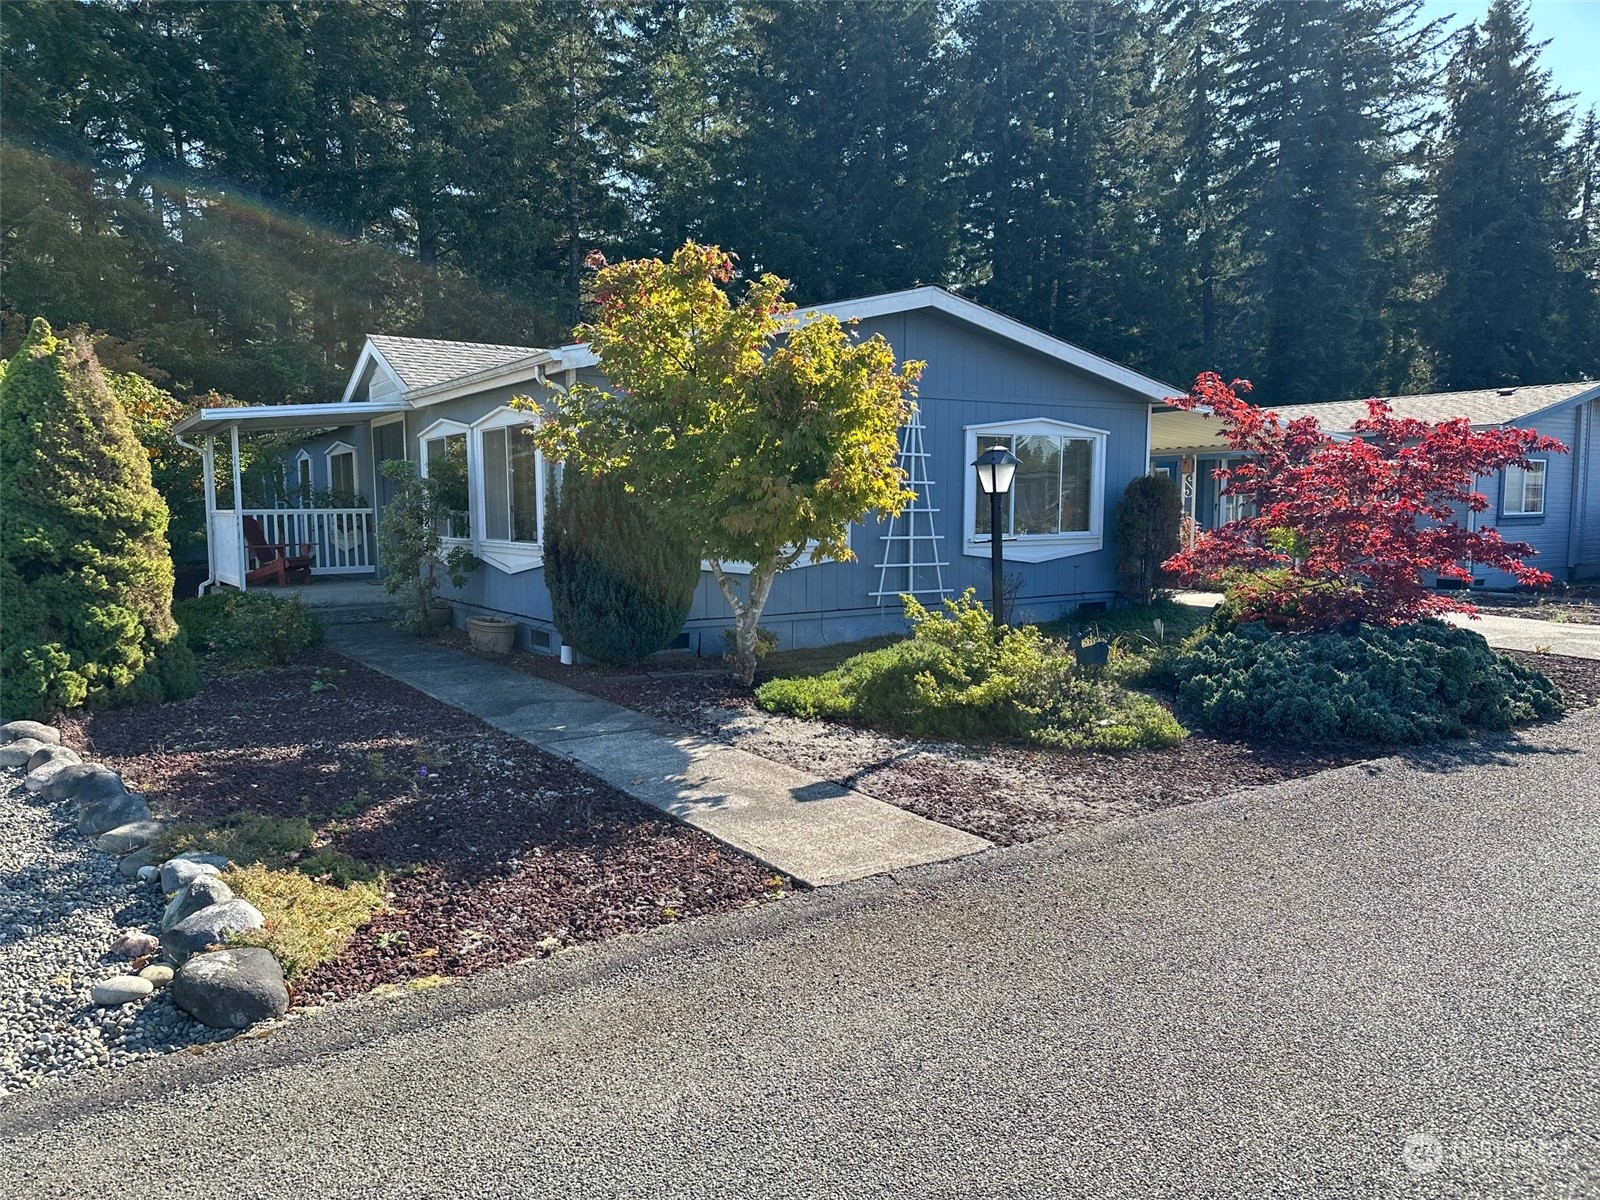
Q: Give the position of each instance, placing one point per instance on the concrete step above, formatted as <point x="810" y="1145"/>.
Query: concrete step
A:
<point x="356" y="614"/>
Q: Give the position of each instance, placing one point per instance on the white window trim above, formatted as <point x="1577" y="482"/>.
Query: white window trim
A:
<point x="805" y="559"/>
<point x="1037" y="547"/>
<point x="303" y="495"/>
<point x="445" y="428"/>
<point x="509" y="556"/>
<point x="333" y="452"/>
<point x="1522" y="509"/>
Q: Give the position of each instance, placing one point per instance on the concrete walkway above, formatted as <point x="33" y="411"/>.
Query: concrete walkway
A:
<point x="813" y="831"/>
<point x="1503" y="633"/>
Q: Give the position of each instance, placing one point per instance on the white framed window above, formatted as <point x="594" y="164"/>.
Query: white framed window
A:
<point x="1056" y="505"/>
<point x="509" y="490"/>
<point x="1164" y="472"/>
<point x="444" y="455"/>
<point x="302" y="478"/>
<point x="341" y="458"/>
<point x="805" y="559"/>
<point x="1522" y="490"/>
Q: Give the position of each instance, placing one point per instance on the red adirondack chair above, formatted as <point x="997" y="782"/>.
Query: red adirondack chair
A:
<point x="274" y="562"/>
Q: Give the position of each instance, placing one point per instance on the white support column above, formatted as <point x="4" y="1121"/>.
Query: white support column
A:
<point x="208" y="467"/>
<point x="238" y="512"/>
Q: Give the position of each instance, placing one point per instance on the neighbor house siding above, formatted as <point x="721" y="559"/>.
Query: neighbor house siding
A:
<point x="1549" y="534"/>
<point x="1585" y="555"/>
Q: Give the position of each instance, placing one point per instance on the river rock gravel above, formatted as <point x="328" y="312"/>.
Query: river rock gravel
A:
<point x="63" y="906"/>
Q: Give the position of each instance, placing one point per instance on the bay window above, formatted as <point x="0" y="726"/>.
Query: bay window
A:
<point x="1055" y="506"/>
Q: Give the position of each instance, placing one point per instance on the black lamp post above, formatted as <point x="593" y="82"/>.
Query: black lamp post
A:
<point x="995" y="467"/>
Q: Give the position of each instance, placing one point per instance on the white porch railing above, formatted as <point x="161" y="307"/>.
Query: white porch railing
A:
<point x="341" y="538"/>
<point x="227" y="549"/>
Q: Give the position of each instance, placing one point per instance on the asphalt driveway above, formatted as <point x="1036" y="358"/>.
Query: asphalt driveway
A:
<point x="1287" y="993"/>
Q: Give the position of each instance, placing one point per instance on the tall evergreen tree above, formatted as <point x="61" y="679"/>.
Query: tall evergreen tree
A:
<point x="1325" y="96"/>
<point x="1501" y="205"/>
<point x="85" y="573"/>
<point x="840" y="174"/>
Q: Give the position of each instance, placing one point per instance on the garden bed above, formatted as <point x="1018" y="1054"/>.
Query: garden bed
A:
<point x="1005" y="793"/>
<point x="493" y="851"/>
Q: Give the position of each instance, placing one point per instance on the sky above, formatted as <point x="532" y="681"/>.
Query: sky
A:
<point x="1572" y="27"/>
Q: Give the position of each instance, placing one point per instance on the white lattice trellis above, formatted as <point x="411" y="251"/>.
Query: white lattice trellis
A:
<point x="911" y="547"/>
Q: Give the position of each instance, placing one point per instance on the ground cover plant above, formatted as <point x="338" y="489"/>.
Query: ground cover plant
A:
<point x="953" y="678"/>
<point x="1396" y="686"/>
<point x="485" y="850"/>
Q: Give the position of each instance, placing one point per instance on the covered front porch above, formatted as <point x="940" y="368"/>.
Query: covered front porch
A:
<point x="282" y="544"/>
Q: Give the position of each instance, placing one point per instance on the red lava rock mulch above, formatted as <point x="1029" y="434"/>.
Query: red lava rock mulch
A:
<point x="493" y="846"/>
<point x="1005" y="793"/>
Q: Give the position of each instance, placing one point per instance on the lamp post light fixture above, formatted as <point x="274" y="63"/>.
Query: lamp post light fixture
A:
<point x="996" y="466"/>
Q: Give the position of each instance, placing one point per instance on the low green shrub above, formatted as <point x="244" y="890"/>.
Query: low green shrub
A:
<point x="268" y="631"/>
<point x="245" y="839"/>
<point x="1398" y="686"/>
<point x="307" y="922"/>
<point x="200" y="616"/>
<point x="952" y="679"/>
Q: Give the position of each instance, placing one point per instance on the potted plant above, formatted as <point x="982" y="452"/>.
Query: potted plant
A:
<point x="492" y="635"/>
<point x="413" y="549"/>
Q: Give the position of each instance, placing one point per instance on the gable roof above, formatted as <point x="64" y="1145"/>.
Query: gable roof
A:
<point x="969" y="312"/>
<point x="424" y="362"/>
<point x="1486" y="406"/>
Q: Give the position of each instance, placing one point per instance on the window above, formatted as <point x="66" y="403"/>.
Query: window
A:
<point x="302" y="472"/>
<point x="1054" y="508"/>
<point x="342" y="475"/>
<point x="444" y="459"/>
<point x="509" y="483"/>
<point x="1522" y="492"/>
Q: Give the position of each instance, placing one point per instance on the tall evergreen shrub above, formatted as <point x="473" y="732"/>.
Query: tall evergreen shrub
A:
<point x="621" y="588"/>
<point x="85" y="571"/>
<point x="1149" y="531"/>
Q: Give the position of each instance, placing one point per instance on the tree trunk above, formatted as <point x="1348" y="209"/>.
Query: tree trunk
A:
<point x="746" y="614"/>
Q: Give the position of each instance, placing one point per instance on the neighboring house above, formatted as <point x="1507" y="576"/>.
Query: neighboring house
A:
<point x="1080" y="423"/>
<point x="1555" y="507"/>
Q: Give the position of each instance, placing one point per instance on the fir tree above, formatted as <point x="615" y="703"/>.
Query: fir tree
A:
<point x="1500" y="208"/>
<point x="85" y="574"/>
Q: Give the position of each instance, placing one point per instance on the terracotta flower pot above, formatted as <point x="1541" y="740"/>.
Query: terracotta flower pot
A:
<point x="492" y="635"/>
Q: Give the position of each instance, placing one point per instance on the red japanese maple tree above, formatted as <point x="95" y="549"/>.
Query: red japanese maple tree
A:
<point x="1346" y="528"/>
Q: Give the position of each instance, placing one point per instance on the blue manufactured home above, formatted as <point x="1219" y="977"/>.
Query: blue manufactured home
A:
<point x="1082" y="425"/>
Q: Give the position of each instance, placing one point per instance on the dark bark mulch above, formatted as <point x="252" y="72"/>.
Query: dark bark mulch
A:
<point x="1577" y="604"/>
<point x="1005" y="793"/>
<point x="493" y="846"/>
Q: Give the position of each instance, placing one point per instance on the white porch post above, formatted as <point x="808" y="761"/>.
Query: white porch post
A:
<point x="208" y="466"/>
<point x="238" y="513"/>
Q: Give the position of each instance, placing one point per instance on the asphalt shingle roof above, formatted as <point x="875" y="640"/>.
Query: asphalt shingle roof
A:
<point x="423" y="362"/>
<point x="1489" y="406"/>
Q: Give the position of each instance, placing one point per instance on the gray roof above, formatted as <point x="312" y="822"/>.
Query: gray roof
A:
<point x="1488" y="406"/>
<point x="422" y="362"/>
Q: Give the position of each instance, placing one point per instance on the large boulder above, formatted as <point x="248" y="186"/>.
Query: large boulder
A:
<point x="83" y="783"/>
<point x="131" y="836"/>
<point x="13" y="731"/>
<point x="46" y="754"/>
<point x="105" y="815"/>
<point x="200" y="893"/>
<point x="182" y="869"/>
<point x="209" y="927"/>
<point x="39" y="777"/>
<point x="231" y="988"/>
<point x="17" y="753"/>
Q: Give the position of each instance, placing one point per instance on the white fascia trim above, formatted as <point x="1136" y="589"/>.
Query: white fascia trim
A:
<point x="371" y="354"/>
<point x="379" y="422"/>
<point x="522" y="370"/>
<point x="1037" y="547"/>
<point x="970" y="311"/>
